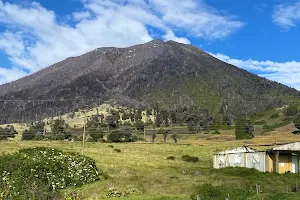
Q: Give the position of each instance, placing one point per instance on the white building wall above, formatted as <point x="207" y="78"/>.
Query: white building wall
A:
<point x="250" y="160"/>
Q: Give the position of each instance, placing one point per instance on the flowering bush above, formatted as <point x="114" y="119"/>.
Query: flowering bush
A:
<point x="115" y="193"/>
<point x="41" y="171"/>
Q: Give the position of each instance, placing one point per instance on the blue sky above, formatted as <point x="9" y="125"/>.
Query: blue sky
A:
<point x="261" y="36"/>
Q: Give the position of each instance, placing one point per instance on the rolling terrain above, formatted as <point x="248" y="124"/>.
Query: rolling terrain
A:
<point x="144" y="168"/>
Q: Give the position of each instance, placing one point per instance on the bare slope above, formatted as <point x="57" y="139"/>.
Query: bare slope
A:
<point x="168" y="73"/>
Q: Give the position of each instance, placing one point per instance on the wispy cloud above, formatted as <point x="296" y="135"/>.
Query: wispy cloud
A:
<point x="285" y="73"/>
<point x="287" y="15"/>
<point x="35" y="38"/>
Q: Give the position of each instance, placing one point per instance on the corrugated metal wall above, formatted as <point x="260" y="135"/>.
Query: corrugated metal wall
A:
<point x="250" y="160"/>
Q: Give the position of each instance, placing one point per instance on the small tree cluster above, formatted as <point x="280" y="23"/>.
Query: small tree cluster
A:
<point x="243" y="129"/>
<point x="35" y="132"/>
<point x="59" y="130"/>
<point x="292" y="110"/>
<point x="7" y="132"/>
<point x="94" y="129"/>
<point x="297" y="124"/>
<point x="122" y="135"/>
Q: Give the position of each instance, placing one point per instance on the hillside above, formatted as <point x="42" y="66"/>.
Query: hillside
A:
<point x="165" y="74"/>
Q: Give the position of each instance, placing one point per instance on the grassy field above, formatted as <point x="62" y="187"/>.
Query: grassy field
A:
<point x="144" y="167"/>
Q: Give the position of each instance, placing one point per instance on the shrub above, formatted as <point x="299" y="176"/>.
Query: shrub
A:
<point x="133" y="138"/>
<point x="42" y="171"/>
<point x="111" y="146"/>
<point x="209" y="192"/>
<point x="113" y="193"/>
<point x="188" y="158"/>
<point x="297" y="122"/>
<point x="76" y="137"/>
<point x="114" y="136"/>
<point x="117" y="150"/>
<point x="262" y="122"/>
<point x="292" y="110"/>
<point x="127" y="124"/>
<point x="96" y="136"/>
<point x="274" y="116"/>
<point x="174" y="136"/>
<point x="268" y="128"/>
<point x="59" y="130"/>
<point x="7" y="132"/>
<point x="184" y="157"/>
<point x="122" y="135"/>
<point x="170" y="158"/>
<point x="139" y="125"/>
<point x="216" y="133"/>
<point x="33" y="131"/>
<point x="73" y="196"/>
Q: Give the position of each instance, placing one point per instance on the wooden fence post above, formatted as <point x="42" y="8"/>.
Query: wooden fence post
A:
<point x="257" y="188"/>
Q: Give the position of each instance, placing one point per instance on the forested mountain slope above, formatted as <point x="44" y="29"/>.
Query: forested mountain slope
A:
<point x="164" y="74"/>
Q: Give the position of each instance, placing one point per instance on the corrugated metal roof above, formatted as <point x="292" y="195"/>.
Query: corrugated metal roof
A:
<point x="237" y="150"/>
<point x="288" y="147"/>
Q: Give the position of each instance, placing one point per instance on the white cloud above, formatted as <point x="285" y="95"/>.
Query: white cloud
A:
<point x="35" y="38"/>
<point x="171" y="36"/>
<point x="285" y="73"/>
<point x="287" y="15"/>
<point x="81" y="15"/>
<point x="8" y="75"/>
<point x="196" y="17"/>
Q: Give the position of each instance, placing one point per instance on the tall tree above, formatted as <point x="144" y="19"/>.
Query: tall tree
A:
<point x="59" y="129"/>
<point x="34" y="130"/>
<point x="297" y="122"/>
<point x="243" y="129"/>
<point x="164" y="133"/>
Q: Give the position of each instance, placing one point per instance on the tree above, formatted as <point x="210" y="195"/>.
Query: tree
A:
<point x="297" y="123"/>
<point x="191" y="124"/>
<point x="165" y="117"/>
<point x="95" y="133"/>
<point x="292" y="110"/>
<point x="139" y="125"/>
<point x="7" y="132"/>
<point x="158" y="120"/>
<point x="243" y="129"/>
<point x="35" y="131"/>
<point x="173" y="117"/>
<point x="59" y="130"/>
<point x="164" y="133"/>
<point x="111" y="121"/>
<point x="148" y="113"/>
<point x="174" y="136"/>
<point x="93" y="128"/>
<point x="122" y="135"/>
<point x="115" y="113"/>
<point x="153" y="136"/>
<point x="138" y="115"/>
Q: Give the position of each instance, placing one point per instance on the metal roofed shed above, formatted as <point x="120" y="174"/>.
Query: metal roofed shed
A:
<point x="240" y="157"/>
<point x="284" y="158"/>
<point x="280" y="159"/>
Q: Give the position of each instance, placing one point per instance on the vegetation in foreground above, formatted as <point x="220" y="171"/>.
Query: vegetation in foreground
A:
<point x="179" y="169"/>
<point x="147" y="171"/>
<point x="39" y="173"/>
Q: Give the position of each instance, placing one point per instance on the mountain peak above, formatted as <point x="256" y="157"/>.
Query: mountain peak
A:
<point x="158" y="72"/>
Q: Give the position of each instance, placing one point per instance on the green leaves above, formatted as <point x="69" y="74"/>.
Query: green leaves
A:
<point x="40" y="171"/>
